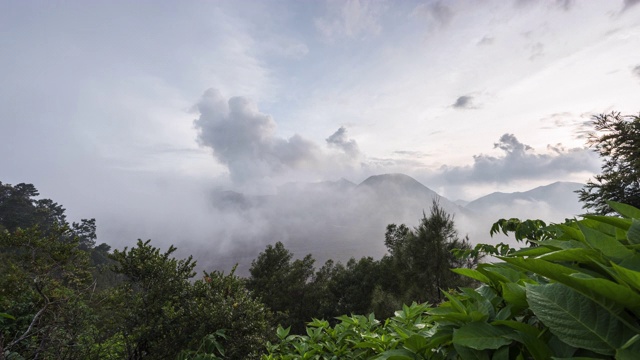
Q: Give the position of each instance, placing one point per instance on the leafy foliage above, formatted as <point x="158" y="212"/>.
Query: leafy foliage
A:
<point x="43" y="286"/>
<point x="159" y="312"/>
<point x="575" y="294"/>
<point x="617" y="140"/>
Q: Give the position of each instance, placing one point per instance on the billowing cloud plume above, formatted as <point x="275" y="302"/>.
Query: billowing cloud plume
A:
<point x="521" y="162"/>
<point x="244" y="139"/>
<point x="340" y="140"/>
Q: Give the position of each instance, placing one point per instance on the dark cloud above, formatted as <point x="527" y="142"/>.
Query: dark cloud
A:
<point x="520" y="162"/>
<point x="630" y="3"/>
<point x="563" y="4"/>
<point x="510" y="144"/>
<point x="244" y="139"/>
<point x="340" y="140"/>
<point x="464" y="102"/>
<point x="487" y="40"/>
<point x="438" y="12"/>
<point x="636" y="70"/>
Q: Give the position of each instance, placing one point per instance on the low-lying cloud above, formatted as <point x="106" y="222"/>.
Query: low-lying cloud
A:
<point x="519" y="162"/>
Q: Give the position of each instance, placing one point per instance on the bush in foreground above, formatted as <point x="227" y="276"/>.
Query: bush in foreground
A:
<point x="574" y="293"/>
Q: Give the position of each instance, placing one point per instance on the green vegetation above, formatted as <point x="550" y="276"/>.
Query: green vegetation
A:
<point x="571" y="291"/>
<point x="417" y="267"/>
<point x="575" y="293"/>
<point x="61" y="297"/>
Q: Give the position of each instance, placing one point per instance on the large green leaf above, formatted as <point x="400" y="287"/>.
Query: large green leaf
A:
<point x="611" y="220"/>
<point x="625" y="210"/>
<point x="608" y="245"/>
<point x="562" y="244"/>
<point x="481" y="336"/>
<point x="470" y="354"/>
<point x="587" y="285"/>
<point x="471" y="273"/>
<point x="514" y="294"/>
<point x="629" y="276"/>
<point x="633" y="235"/>
<point x="529" y="336"/>
<point x="415" y="343"/>
<point x="569" y="232"/>
<point x="534" y="251"/>
<point x="581" y="255"/>
<point x="576" y="319"/>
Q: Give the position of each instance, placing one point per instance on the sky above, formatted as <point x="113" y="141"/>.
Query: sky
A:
<point x="133" y="112"/>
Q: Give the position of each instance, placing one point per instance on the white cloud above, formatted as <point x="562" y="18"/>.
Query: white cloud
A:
<point x="438" y="13"/>
<point x="519" y="161"/>
<point x="352" y="19"/>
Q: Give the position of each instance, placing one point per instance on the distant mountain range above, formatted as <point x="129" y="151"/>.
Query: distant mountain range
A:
<point x="339" y="219"/>
<point x="560" y="197"/>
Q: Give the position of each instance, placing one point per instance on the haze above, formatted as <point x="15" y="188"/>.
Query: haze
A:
<point x="141" y="114"/>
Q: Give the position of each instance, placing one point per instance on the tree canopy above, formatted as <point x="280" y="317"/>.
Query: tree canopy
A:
<point x="616" y="138"/>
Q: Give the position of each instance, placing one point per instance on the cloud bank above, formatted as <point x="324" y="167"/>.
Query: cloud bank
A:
<point x="520" y="162"/>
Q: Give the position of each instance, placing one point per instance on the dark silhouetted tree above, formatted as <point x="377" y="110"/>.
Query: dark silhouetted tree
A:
<point x="421" y="259"/>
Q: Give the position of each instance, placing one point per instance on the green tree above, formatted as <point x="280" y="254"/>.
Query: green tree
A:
<point x="353" y="286"/>
<point x="45" y="286"/>
<point x="152" y="306"/>
<point x="158" y="311"/>
<point x="19" y="208"/>
<point x="284" y="285"/>
<point x="421" y="259"/>
<point x="224" y="303"/>
<point x="617" y="140"/>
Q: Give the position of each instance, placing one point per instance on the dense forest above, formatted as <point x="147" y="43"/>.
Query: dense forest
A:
<point x="571" y="290"/>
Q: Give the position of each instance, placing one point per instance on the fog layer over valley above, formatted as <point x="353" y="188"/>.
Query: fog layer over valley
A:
<point x="340" y="219"/>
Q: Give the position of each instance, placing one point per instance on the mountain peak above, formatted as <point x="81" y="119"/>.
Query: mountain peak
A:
<point x="396" y="179"/>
